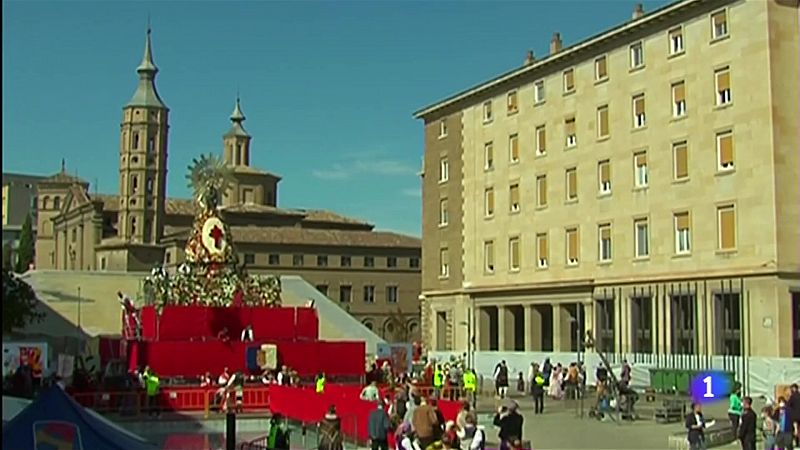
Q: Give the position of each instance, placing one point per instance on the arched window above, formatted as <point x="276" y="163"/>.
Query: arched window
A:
<point x="133" y="226"/>
<point x="57" y="203"/>
<point x="135" y="143"/>
<point x="46" y="202"/>
<point x="134" y="184"/>
<point x="368" y="323"/>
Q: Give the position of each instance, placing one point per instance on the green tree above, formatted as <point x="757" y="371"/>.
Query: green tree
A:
<point x="399" y="327"/>
<point x="7" y="251"/>
<point x="19" y="303"/>
<point x="26" y="244"/>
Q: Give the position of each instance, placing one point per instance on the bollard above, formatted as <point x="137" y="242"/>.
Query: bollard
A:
<point x="230" y="431"/>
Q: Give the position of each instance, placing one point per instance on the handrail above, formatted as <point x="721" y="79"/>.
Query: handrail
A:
<point x="260" y="443"/>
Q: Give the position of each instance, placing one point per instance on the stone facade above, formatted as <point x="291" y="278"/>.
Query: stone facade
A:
<point x="632" y="185"/>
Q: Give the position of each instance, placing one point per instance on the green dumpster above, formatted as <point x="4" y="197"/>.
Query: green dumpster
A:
<point x="657" y="380"/>
<point x="669" y="379"/>
<point x="683" y="379"/>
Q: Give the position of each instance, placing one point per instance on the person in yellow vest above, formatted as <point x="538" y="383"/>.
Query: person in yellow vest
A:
<point x="438" y="381"/>
<point x="151" y="383"/>
<point x="470" y="385"/>
<point x="320" y="383"/>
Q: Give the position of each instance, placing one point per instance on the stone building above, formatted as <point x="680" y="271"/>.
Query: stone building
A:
<point x="640" y="184"/>
<point x="375" y="275"/>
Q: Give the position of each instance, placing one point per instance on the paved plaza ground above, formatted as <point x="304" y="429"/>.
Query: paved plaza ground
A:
<point x="561" y="427"/>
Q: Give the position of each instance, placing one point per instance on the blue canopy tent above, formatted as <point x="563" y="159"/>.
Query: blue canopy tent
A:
<point x="55" y="420"/>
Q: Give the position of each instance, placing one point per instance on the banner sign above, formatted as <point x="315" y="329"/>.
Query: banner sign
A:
<point x="32" y="353"/>
<point x="399" y="355"/>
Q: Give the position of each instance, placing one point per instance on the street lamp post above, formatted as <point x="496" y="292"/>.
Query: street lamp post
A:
<point x="79" y="308"/>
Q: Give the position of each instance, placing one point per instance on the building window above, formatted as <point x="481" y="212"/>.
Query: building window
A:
<point x="542" y="255"/>
<point x="637" y="55"/>
<point x="151" y="145"/>
<point x="513" y="148"/>
<point x="641" y="243"/>
<point x="74" y="235"/>
<point x="391" y="261"/>
<point x="639" y="119"/>
<point x="680" y="154"/>
<point x="676" y="41"/>
<point x="57" y="203"/>
<point x="488" y="156"/>
<point x="297" y="260"/>
<point x="514" y="262"/>
<point x="604" y="242"/>
<point x="369" y="261"/>
<point x="722" y="80"/>
<point x="726" y="226"/>
<point x="683" y="312"/>
<point x="569" y="81"/>
<point x="569" y="132"/>
<point x="444" y="170"/>
<point x="719" y="24"/>
<point x="249" y="258"/>
<point x="442" y="128"/>
<point x="604" y="176"/>
<point x="135" y="144"/>
<point x="679" y="99"/>
<point x="345" y="293"/>
<point x="725" y="151"/>
<point x="601" y="68"/>
<point x="541" y="191"/>
<point x="444" y="263"/>
<point x="46" y="202"/>
<point x="572" y="184"/>
<point x="413" y="263"/>
<point x="642" y="318"/>
<point x="134" y="184"/>
<point x="538" y="92"/>
<point x="133" y="228"/>
<point x="640" y="175"/>
<point x="248" y="196"/>
<point x="541" y="141"/>
<point x="149" y="185"/>
<point x="683" y="239"/>
<point x="322" y="260"/>
<point x="443" y="213"/>
<point x="796" y="324"/>
<point x="572" y="246"/>
<point x="392" y="295"/>
<point x="369" y="294"/>
<point x="323" y="289"/>
<point x="513" y="192"/>
<point x="345" y="261"/>
<point x="728" y="329"/>
<point x="488" y="203"/>
<point x="487" y="112"/>
<point x="512" y="106"/>
<point x="488" y="256"/>
<point x="274" y="259"/>
<point x="602" y="122"/>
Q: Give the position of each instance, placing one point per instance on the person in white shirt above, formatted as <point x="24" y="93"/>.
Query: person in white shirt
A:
<point x="371" y="393"/>
<point x="247" y="334"/>
<point x="472" y="434"/>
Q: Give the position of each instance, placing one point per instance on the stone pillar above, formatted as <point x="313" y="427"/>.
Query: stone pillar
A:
<point x="482" y="329"/>
<point x="502" y="329"/>
<point x="588" y="319"/>
<point x="533" y="329"/>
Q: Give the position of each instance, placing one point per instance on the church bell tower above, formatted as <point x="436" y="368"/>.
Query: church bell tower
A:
<point x="143" y="158"/>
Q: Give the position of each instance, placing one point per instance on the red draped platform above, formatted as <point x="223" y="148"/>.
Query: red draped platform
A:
<point x="182" y="341"/>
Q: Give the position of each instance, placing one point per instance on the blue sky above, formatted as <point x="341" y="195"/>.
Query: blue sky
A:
<point x="328" y="87"/>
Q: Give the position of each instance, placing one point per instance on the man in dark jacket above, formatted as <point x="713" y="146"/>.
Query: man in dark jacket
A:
<point x="793" y="405"/>
<point x="537" y="390"/>
<point x="510" y="423"/>
<point x="378" y="427"/>
<point x="747" y="425"/>
<point x="695" y="426"/>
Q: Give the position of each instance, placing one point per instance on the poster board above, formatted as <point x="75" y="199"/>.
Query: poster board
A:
<point x="400" y="356"/>
<point x="35" y="353"/>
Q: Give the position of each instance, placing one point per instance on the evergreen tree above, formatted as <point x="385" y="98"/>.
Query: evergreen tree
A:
<point x="19" y="303"/>
<point x="26" y="246"/>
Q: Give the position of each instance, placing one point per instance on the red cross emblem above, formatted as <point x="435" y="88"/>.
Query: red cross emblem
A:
<point x="216" y="234"/>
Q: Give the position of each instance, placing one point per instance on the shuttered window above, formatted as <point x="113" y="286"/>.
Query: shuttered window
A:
<point x="602" y="121"/>
<point x="600" y="68"/>
<point x="569" y="132"/>
<point x="514" y="197"/>
<point x="679" y="99"/>
<point x="604" y="176"/>
<point x="725" y="150"/>
<point x="541" y="250"/>
<point x="488" y="256"/>
<point x="513" y="148"/>
<point x="488" y="156"/>
<point x="511" y="102"/>
<point x="572" y="184"/>
<point x="489" y="202"/>
<point x="572" y="246"/>
<point x="541" y="190"/>
<point x="727" y="227"/>
<point x="513" y="254"/>
<point x="541" y="140"/>
<point x="604" y="242"/>
<point x="569" y="80"/>
<point x="638" y="111"/>
<point x="681" y="155"/>
<point x="723" y="81"/>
